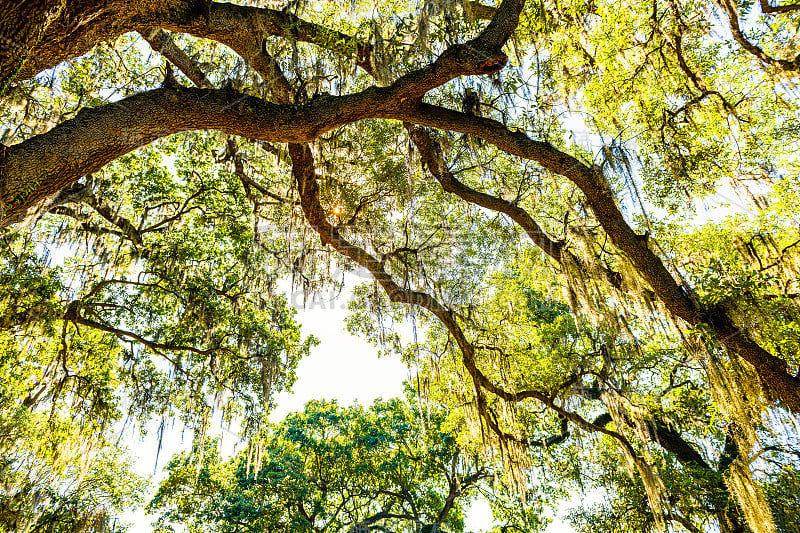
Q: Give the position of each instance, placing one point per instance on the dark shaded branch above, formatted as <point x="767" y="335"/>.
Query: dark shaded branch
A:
<point x="162" y="43"/>
<point x="503" y="23"/>
<point x="50" y="32"/>
<point x="685" y="522"/>
<point x="671" y="440"/>
<point x="730" y="452"/>
<point x="431" y="155"/>
<point x="730" y="8"/>
<point x="772" y="370"/>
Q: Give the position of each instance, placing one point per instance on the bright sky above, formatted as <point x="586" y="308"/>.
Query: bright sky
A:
<point x="348" y="369"/>
<point x="341" y="367"/>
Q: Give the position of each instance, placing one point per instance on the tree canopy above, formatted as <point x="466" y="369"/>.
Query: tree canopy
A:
<point x="522" y="181"/>
<point x="329" y="468"/>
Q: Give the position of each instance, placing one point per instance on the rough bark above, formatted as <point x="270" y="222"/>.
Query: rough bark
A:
<point x="772" y="370"/>
<point x="731" y="9"/>
<point x="243" y="28"/>
<point x="51" y="31"/>
<point x="41" y="166"/>
<point x="35" y="36"/>
<point x="44" y="33"/>
<point x="40" y="34"/>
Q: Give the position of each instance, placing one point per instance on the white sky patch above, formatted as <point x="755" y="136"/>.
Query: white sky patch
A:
<point x="342" y="367"/>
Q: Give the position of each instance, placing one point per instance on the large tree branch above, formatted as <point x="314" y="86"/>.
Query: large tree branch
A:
<point x="772" y="370"/>
<point x="244" y="28"/>
<point x="39" y="37"/>
<point x="503" y="23"/>
<point x="306" y="179"/>
<point x="39" y="167"/>
<point x="42" y="165"/>
<point x="730" y="8"/>
<point x="73" y="193"/>
<point x="589" y="179"/>
<point x="431" y="155"/>
<point x="35" y="36"/>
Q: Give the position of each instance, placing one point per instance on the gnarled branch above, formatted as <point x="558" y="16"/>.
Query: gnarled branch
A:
<point x="772" y="370"/>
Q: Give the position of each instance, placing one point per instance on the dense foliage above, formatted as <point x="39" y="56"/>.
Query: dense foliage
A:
<point x="329" y="468"/>
<point x="586" y="210"/>
<point x="172" y="318"/>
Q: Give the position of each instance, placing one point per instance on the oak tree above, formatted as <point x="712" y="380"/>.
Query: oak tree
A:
<point x="301" y="129"/>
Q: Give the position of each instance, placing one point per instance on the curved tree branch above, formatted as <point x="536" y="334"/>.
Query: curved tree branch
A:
<point x="432" y="158"/>
<point x="73" y="315"/>
<point x="306" y="179"/>
<point x="162" y="43"/>
<point x="730" y="8"/>
<point x="772" y="370"/>
<point x="39" y="37"/>
<point x="42" y="165"/>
